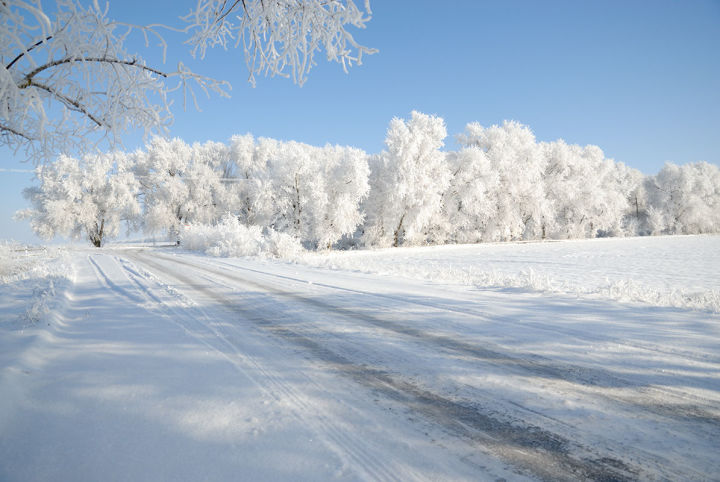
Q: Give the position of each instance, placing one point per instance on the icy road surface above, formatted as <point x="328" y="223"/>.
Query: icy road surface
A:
<point x="159" y="365"/>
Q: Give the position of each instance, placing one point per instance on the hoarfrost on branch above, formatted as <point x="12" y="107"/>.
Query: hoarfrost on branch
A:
<point x="66" y="75"/>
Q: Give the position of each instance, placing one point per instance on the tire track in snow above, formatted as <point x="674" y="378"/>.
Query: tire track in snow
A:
<point x="662" y="401"/>
<point x="545" y="454"/>
<point x="351" y="451"/>
<point x="484" y="316"/>
<point x="108" y="283"/>
<point x="666" y="404"/>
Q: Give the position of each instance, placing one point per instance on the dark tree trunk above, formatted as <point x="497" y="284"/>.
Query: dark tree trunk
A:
<point x="398" y="232"/>
<point x="96" y="236"/>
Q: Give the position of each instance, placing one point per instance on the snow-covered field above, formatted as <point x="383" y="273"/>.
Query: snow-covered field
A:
<point x="595" y="359"/>
<point x="678" y="271"/>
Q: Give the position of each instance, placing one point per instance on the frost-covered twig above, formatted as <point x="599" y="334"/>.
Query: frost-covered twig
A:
<point x="66" y="79"/>
<point x="280" y="37"/>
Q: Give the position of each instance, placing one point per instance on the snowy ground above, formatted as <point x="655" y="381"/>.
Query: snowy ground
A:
<point x="679" y="271"/>
<point x="465" y="362"/>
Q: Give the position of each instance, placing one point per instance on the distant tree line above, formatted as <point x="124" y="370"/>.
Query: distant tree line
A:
<point x="502" y="185"/>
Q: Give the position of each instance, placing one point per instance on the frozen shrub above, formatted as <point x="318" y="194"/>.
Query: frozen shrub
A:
<point x="281" y="245"/>
<point x="230" y="238"/>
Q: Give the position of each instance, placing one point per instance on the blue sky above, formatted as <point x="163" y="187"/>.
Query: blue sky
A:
<point x="638" y="78"/>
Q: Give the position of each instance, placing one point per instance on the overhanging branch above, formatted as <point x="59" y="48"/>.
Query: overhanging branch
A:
<point x="27" y="50"/>
<point x="28" y="79"/>
<point x="37" y="44"/>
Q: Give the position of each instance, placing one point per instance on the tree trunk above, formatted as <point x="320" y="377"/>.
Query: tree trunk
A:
<point x="96" y="236"/>
<point x="396" y="235"/>
<point x="297" y="209"/>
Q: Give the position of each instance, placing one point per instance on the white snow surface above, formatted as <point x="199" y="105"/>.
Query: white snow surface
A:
<point x="676" y="271"/>
<point x="158" y="364"/>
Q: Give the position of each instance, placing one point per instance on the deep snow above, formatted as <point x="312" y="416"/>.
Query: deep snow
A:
<point x="424" y="363"/>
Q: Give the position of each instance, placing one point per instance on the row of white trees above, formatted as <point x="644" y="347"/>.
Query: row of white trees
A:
<point x="310" y="192"/>
<point x="501" y="185"/>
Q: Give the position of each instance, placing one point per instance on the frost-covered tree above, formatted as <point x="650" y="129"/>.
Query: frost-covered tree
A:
<point x="253" y="191"/>
<point x="66" y="74"/>
<point x="408" y="181"/>
<point x="635" y="219"/>
<point x="523" y="211"/>
<point x="684" y="199"/>
<point x="568" y="184"/>
<point x="183" y="184"/>
<point x="88" y="197"/>
<point x="470" y="202"/>
<point x="209" y="177"/>
<point x="589" y="193"/>
<point x="628" y="182"/>
<point x="345" y="185"/>
<point x="161" y="170"/>
<point x="312" y="193"/>
<point x="655" y="221"/>
<point x="317" y="191"/>
<point x="296" y="187"/>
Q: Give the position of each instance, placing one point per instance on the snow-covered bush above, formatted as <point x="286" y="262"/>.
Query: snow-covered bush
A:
<point x="12" y="261"/>
<point x="36" y="276"/>
<point x="281" y="245"/>
<point x="230" y="238"/>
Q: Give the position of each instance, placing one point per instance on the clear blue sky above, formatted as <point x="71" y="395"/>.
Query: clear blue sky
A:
<point x="640" y="79"/>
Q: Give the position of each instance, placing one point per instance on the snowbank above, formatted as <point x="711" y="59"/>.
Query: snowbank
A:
<point x="30" y="278"/>
<point x="229" y="238"/>
<point x="16" y="260"/>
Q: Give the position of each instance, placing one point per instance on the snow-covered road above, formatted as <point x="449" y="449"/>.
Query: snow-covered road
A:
<point x="162" y="365"/>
